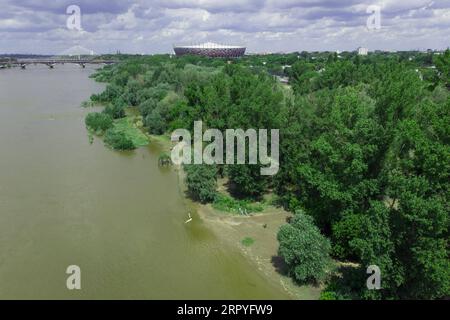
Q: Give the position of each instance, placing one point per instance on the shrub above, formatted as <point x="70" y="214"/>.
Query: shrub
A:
<point x="328" y="295"/>
<point x="247" y="242"/>
<point x="111" y="92"/>
<point x="165" y="159"/>
<point x="98" y="121"/>
<point x="118" y="140"/>
<point x="229" y="204"/>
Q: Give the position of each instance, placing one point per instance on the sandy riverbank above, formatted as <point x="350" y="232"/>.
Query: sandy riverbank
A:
<point x="262" y="228"/>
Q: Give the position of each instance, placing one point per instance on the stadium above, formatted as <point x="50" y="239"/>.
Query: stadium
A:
<point x="210" y="49"/>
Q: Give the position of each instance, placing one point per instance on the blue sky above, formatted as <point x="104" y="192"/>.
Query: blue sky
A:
<point x="153" y="26"/>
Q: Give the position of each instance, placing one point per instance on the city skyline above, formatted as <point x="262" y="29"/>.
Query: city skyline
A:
<point x="148" y="27"/>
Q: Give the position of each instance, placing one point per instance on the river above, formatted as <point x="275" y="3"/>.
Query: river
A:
<point x="116" y="215"/>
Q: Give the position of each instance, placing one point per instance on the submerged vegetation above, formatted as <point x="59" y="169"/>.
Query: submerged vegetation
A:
<point x="247" y="242"/>
<point x="364" y="155"/>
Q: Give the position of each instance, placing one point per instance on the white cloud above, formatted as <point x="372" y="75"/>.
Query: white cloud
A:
<point x="263" y="25"/>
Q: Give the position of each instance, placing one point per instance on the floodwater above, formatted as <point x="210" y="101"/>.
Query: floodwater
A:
<point x="117" y="216"/>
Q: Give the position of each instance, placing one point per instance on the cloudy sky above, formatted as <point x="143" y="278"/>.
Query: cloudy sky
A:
<point x="153" y="26"/>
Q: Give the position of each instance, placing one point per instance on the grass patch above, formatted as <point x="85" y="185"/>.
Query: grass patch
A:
<point x="247" y="242"/>
<point x="126" y="127"/>
<point x="121" y="134"/>
<point x="241" y="207"/>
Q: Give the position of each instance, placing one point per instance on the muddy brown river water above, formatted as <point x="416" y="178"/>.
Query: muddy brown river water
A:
<point x="118" y="216"/>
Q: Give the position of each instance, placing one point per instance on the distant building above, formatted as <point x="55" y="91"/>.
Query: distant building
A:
<point x="210" y="49"/>
<point x="363" y="51"/>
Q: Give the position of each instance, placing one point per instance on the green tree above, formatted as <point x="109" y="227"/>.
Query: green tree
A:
<point x="406" y="234"/>
<point x="247" y="180"/>
<point x="304" y="249"/>
<point x="201" y="181"/>
<point x="98" y="121"/>
<point x="146" y="107"/>
<point x="111" y="92"/>
<point x="132" y="90"/>
<point x="302" y="75"/>
<point x="115" y="110"/>
<point x="155" y="123"/>
<point x="442" y="63"/>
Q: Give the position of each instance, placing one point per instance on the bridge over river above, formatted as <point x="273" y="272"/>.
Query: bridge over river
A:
<point x="52" y="62"/>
